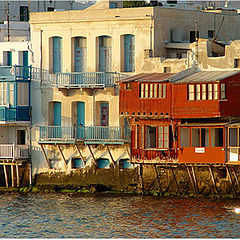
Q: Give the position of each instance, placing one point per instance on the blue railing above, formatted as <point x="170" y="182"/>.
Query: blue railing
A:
<point x="14" y="114"/>
<point x="11" y="73"/>
<point x="77" y="79"/>
<point x="92" y="134"/>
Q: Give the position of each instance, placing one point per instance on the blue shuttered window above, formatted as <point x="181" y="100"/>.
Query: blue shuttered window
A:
<point x="129" y="53"/>
<point x="57" y="54"/>
<point x="105" y="54"/>
<point x="80" y="53"/>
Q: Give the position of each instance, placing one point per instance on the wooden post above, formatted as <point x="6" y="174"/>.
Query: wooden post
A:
<point x="195" y="179"/>
<point x="17" y="173"/>
<point x="45" y="155"/>
<point x="236" y="178"/>
<point x="175" y="179"/>
<point x="141" y="175"/>
<point x="191" y="178"/>
<point x="128" y="152"/>
<point x="213" y="180"/>
<point x="158" y="178"/>
<point x="5" y="174"/>
<point x="12" y="175"/>
<point x="61" y="152"/>
<point x="231" y="181"/>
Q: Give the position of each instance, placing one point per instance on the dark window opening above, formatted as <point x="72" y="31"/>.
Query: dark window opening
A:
<point x="50" y="9"/>
<point x="211" y="33"/>
<point x="193" y="36"/>
<point x="167" y="69"/>
<point x="21" y="137"/>
<point x="185" y="137"/>
<point x="204" y="137"/>
<point x="24" y="13"/>
<point x="151" y="137"/>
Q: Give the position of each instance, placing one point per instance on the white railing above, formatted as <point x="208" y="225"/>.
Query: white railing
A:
<point x="13" y="151"/>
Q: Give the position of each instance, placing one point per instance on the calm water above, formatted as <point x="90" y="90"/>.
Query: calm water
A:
<point x="114" y="216"/>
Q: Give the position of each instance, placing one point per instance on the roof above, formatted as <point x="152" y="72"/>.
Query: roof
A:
<point x="149" y="77"/>
<point x="198" y="76"/>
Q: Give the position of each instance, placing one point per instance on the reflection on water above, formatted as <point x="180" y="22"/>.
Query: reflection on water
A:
<point x="114" y="216"/>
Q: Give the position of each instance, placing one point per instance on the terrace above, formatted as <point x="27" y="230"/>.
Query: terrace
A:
<point x="13" y="151"/>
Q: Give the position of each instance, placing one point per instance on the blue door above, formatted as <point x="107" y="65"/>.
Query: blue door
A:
<point x="129" y="53"/>
<point x="105" y="54"/>
<point x="57" y="54"/>
<point x="80" y="120"/>
<point x="9" y="58"/>
<point x="25" y="64"/>
<point x="57" y="120"/>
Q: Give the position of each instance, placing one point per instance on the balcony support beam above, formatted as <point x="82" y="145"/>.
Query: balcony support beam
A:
<point x="45" y="155"/>
<point x="61" y="152"/>
<point x="79" y="152"/>
<point x="110" y="154"/>
<point x="94" y="159"/>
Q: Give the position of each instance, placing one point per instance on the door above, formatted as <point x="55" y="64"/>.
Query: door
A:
<point x="80" y="120"/>
<point x="57" y="133"/>
<point x="25" y="64"/>
<point x="104" y="121"/>
<point x="57" y="54"/>
<point x="233" y="144"/>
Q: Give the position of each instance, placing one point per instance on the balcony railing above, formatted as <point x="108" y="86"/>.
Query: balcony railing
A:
<point x="11" y="73"/>
<point x="77" y="79"/>
<point x="14" y="114"/>
<point x="12" y="151"/>
<point x="86" y="134"/>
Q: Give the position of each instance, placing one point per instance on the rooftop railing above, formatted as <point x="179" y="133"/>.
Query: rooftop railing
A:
<point x="91" y="134"/>
<point x="77" y="79"/>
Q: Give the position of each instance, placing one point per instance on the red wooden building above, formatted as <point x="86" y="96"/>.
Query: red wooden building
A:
<point x="191" y="116"/>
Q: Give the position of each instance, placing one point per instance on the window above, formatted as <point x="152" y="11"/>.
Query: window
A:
<point x="163" y="138"/>
<point x="236" y="63"/>
<point x="3" y="94"/>
<point x="22" y="94"/>
<point x="146" y="90"/>
<point x="191" y="92"/>
<point x="77" y="163"/>
<point x="142" y="91"/>
<point x="204" y="137"/>
<point x="215" y="91"/>
<point x="223" y="91"/>
<point x="198" y="92"/>
<point x="21" y="137"/>
<point x="217" y="137"/>
<point x="151" y="91"/>
<point x="185" y="137"/>
<point x="210" y="97"/>
<point x="155" y="90"/>
<point x="128" y="86"/>
<point x="204" y="93"/>
<point x="193" y="36"/>
<point x="195" y="137"/>
<point x="211" y="33"/>
<point x="24" y="13"/>
<point x="167" y="69"/>
<point x="162" y="91"/>
<point x="151" y="137"/>
<point x="50" y="9"/>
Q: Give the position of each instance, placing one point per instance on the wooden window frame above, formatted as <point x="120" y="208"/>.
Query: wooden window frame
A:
<point x="191" y="92"/>
<point x="215" y="91"/>
<point x="210" y="91"/>
<point x="222" y="91"/>
<point x="204" y="91"/>
<point x="163" y="137"/>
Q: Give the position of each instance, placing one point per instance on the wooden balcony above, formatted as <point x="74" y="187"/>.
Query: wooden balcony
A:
<point x="13" y="151"/>
<point x="77" y="79"/>
<point x="88" y="135"/>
